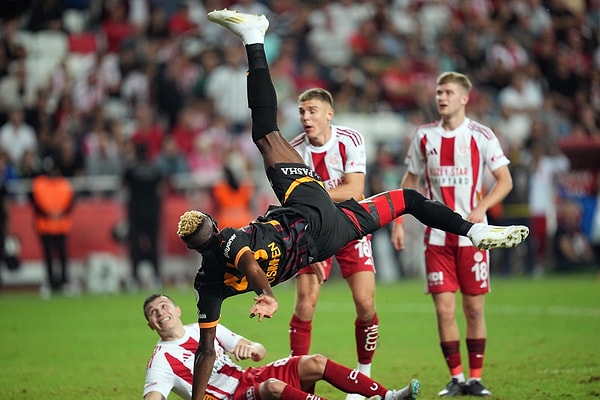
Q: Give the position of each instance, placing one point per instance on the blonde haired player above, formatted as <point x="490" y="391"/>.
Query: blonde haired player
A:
<point x="338" y="154"/>
<point x="453" y="154"/>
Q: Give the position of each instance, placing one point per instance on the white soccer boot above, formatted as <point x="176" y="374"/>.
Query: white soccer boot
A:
<point x="409" y="392"/>
<point x="486" y="237"/>
<point x="250" y="28"/>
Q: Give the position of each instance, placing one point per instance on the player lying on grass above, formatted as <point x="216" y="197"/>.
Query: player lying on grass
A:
<point x="171" y="366"/>
<point x="307" y="228"/>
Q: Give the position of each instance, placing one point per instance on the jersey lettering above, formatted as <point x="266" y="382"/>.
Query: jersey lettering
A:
<point x="227" y="248"/>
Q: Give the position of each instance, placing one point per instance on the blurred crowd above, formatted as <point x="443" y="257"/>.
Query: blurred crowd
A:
<point x="86" y="81"/>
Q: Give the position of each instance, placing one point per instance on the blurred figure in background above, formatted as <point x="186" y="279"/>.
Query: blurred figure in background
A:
<point x="4" y="165"/>
<point x="53" y="198"/>
<point x="572" y="249"/>
<point x="547" y="163"/>
<point x="233" y="193"/>
<point x="145" y="187"/>
<point x="16" y="136"/>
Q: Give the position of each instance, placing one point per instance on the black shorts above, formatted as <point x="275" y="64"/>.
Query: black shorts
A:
<point x="330" y="225"/>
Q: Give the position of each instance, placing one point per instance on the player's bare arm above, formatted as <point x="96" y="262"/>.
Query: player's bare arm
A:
<point x="246" y="349"/>
<point x="498" y="192"/>
<point x="205" y="360"/>
<point x="410" y="181"/>
<point x="266" y="304"/>
<point x="353" y="187"/>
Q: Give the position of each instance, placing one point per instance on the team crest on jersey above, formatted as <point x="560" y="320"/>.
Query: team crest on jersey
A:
<point x="462" y="150"/>
<point x="334" y="160"/>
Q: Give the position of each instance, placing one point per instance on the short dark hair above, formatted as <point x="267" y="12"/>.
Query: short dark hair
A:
<point x="153" y="297"/>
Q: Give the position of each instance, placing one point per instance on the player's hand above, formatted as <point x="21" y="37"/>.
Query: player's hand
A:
<point x="476" y="215"/>
<point x="264" y="307"/>
<point x="243" y="351"/>
<point x="397" y="236"/>
<point x="319" y="270"/>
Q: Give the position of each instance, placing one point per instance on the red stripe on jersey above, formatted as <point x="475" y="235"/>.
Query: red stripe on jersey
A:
<point x="179" y="368"/>
<point x="475" y="158"/>
<point x="355" y="137"/>
<point x="447" y="149"/>
<point x="190" y="345"/>
<point x="342" y="149"/>
<point x="227" y="370"/>
<point x="320" y="164"/>
<point x="423" y="146"/>
<point x="298" y="140"/>
<point x="484" y="130"/>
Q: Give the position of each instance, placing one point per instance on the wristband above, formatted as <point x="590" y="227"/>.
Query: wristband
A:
<point x="399" y="220"/>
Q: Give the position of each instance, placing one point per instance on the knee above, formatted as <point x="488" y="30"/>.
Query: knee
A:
<point x="444" y="313"/>
<point x="271" y="389"/>
<point x="316" y="364"/>
<point x="305" y="308"/>
<point x="365" y="308"/>
<point x="473" y="313"/>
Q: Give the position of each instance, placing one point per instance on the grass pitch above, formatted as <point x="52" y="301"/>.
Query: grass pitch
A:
<point x="543" y="339"/>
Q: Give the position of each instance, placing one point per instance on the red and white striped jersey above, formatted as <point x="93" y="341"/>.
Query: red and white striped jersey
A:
<point x="453" y="164"/>
<point x="343" y="153"/>
<point x="172" y="364"/>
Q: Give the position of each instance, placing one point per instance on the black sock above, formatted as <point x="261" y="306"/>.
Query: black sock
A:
<point x="435" y="214"/>
<point x="262" y="99"/>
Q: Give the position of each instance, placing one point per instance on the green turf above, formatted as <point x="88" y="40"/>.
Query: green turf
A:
<point x="543" y="339"/>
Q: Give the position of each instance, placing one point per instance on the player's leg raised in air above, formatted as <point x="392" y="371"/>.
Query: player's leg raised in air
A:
<point x="275" y="149"/>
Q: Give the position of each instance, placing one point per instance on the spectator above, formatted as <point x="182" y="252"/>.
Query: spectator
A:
<point x="145" y="188"/>
<point x="504" y="56"/>
<point x="519" y="101"/>
<point x="68" y="155"/>
<point x="30" y="165"/>
<point x="18" y="88"/>
<point x="546" y="165"/>
<point x="186" y="131"/>
<point x="172" y="162"/>
<point x="115" y="25"/>
<point x="226" y="87"/>
<point x="148" y="131"/>
<point x="233" y="193"/>
<point x="4" y="215"/>
<point x="572" y="249"/>
<point x="53" y="198"/>
<point x="102" y="155"/>
<point x="16" y="136"/>
<point x="46" y="15"/>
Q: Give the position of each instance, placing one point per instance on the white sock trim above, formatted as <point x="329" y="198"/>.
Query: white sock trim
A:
<point x="253" y="36"/>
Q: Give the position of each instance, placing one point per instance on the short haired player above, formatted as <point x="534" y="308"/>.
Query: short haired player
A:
<point x="171" y="366"/>
<point x="338" y="154"/>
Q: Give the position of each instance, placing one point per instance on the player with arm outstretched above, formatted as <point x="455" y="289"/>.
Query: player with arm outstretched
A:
<point x="170" y="369"/>
<point x="307" y="227"/>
